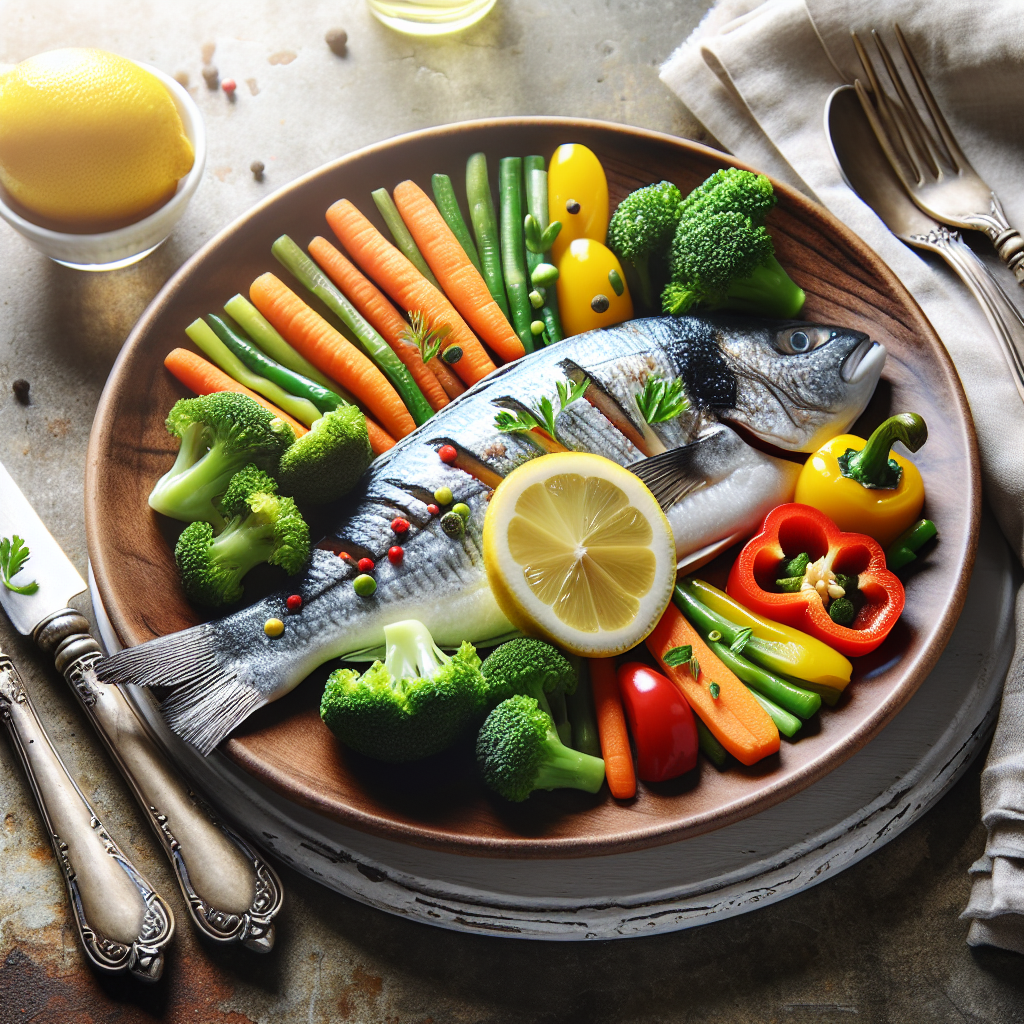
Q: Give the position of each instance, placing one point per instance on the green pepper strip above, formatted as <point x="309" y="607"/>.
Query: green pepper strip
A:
<point x="401" y="234"/>
<point x="794" y="699"/>
<point x="294" y="383"/>
<point x="789" y="725"/>
<point x="448" y="207"/>
<point x="296" y="261"/>
<point x="904" y="548"/>
<point x="537" y="206"/>
<point x="709" y="746"/>
<point x="871" y="466"/>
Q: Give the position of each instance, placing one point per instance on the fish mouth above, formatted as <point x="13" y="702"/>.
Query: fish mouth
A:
<point x="864" y="361"/>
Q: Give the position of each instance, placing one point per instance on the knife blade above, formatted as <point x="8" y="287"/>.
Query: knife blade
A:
<point x="231" y="893"/>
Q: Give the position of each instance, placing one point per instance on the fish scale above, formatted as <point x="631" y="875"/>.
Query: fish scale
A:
<point x="219" y="672"/>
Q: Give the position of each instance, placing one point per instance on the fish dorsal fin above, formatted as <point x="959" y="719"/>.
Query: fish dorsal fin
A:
<point x="672" y="475"/>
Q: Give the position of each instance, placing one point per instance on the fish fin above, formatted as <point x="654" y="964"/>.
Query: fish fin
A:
<point x="208" y="698"/>
<point x="673" y="474"/>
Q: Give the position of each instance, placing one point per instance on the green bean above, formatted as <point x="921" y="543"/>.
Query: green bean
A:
<point x="448" y="206"/>
<point x="295" y="260"/>
<point x="794" y="699"/>
<point x="259" y="329"/>
<point x="709" y="746"/>
<point x="513" y="247"/>
<point x="217" y="352"/>
<point x="787" y="724"/>
<point x="537" y="206"/>
<point x="294" y="383"/>
<point x="400" y="233"/>
<point x="485" y="228"/>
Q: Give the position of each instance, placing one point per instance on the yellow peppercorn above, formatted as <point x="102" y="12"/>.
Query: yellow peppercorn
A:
<point x="273" y="627"/>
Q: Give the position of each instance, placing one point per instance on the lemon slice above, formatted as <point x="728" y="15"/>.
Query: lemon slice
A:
<point x="578" y="550"/>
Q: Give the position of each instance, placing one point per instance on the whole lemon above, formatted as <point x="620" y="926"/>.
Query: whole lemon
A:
<point x="89" y="141"/>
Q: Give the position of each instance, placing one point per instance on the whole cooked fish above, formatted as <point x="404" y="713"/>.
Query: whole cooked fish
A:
<point x="789" y="385"/>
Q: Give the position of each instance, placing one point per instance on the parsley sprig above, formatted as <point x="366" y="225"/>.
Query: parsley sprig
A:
<point x="428" y="339"/>
<point x="676" y="656"/>
<point x="662" y="400"/>
<point x="543" y="414"/>
<point x="13" y="556"/>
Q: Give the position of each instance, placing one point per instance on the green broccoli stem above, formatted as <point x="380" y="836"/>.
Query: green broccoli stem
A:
<point x="411" y="652"/>
<point x="871" y="466"/>
<point x="565" y="768"/>
<point x="187" y="491"/>
<point x="641" y="265"/>
<point x="769" y="291"/>
<point x="244" y="543"/>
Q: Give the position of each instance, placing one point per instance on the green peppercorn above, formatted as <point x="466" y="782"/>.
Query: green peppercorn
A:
<point x="364" y="585"/>
<point x="537" y="328"/>
<point x="454" y="525"/>
<point x="443" y="496"/>
<point x="462" y="509"/>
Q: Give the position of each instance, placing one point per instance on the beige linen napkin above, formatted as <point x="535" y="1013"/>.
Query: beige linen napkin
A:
<point x="757" y="75"/>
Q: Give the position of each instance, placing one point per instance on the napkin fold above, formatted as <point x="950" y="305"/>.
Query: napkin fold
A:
<point x="757" y="74"/>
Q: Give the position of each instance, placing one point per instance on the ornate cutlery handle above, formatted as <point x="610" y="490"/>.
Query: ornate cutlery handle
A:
<point x="232" y="894"/>
<point x="1007" y="241"/>
<point x="1003" y="316"/>
<point x="122" y="923"/>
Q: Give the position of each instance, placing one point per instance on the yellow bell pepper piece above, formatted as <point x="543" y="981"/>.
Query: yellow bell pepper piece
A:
<point x="576" y="182"/>
<point x="882" y="511"/>
<point x="592" y="289"/>
<point x="801" y="656"/>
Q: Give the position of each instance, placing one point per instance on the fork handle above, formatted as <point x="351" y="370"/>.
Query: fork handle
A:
<point x="1006" y="240"/>
<point x="1002" y="314"/>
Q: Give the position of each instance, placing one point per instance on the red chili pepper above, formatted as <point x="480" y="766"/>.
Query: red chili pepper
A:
<point x="395" y="555"/>
<point x="399" y="525"/>
<point x="294" y="602"/>
<point x="365" y="565"/>
<point x="791" y="530"/>
<point x="447" y="453"/>
<point x="661" y="722"/>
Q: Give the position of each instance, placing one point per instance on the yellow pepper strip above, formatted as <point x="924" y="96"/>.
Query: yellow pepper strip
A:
<point x="862" y="486"/>
<point x="577" y="197"/>
<point x="806" y="660"/>
<point x="592" y="290"/>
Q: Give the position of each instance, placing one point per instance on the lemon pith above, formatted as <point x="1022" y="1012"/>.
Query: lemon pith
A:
<point x="578" y="550"/>
<point x="88" y="139"/>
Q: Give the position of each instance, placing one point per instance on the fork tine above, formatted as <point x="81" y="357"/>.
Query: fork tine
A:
<point x="921" y="138"/>
<point x="956" y="153"/>
<point x="891" y="138"/>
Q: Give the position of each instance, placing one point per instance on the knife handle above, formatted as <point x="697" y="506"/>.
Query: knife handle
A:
<point x="232" y="894"/>
<point x="122" y="923"/>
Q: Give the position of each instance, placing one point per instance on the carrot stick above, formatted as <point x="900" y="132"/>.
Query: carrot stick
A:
<point x="407" y="286"/>
<point x="611" y="727"/>
<point x="380" y="315"/>
<point x="327" y="350"/>
<point x="460" y="280"/>
<point x="734" y="717"/>
<point x="205" y="379"/>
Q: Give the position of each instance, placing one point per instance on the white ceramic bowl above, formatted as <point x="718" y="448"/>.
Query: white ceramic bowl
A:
<point x="109" y="250"/>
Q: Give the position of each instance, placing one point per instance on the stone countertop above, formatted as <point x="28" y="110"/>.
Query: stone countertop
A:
<point x="881" y="942"/>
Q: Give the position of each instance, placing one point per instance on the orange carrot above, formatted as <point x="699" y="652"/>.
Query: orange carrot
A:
<point x="407" y="286"/>
<point x="611" y="728"/>
<point x="314" y="338"/>
<point x="205" y="379"/>
<point x="381" y="316"/>
<point x="734" y="717"/>
<point x="460" y="280"/>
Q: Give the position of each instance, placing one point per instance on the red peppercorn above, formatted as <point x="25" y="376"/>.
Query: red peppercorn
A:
<point x="395" y="555"/>
<point x="447" y="453"/>
<point x="433" y="509"/>
<point x="400" y="525"/>
<point x="228" y="85"/>
<point x="294" y="602"/>
<point x="365" y="564"/>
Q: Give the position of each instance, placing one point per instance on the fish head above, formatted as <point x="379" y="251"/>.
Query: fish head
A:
<point x="797" y="384"/>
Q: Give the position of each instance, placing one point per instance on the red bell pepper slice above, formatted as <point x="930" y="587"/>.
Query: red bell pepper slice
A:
<point x="661" y="722"/>
<point x="792" y="529"/>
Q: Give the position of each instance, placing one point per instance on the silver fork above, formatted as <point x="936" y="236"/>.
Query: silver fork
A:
<point x="927" y="160"/>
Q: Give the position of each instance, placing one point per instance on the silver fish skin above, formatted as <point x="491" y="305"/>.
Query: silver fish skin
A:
<point x="789" y="384"/>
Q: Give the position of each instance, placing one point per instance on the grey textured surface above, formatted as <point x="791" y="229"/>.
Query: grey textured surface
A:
<point x="881" y="943"/>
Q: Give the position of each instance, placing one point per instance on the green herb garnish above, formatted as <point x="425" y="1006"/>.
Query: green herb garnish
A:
<point x="13" y="556"/>
<point x="425" y="337"/>
<point x="715" y="690"/>
<point x="741" y="640"/>
<point x="543" y="414"/>
<point x="662" y="400"/>
<point x="676" y="656"/>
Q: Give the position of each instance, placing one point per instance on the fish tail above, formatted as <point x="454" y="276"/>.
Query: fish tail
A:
<point x="209" y="696"/>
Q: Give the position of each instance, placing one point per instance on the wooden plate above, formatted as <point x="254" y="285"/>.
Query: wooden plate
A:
<point x="439" y="802"/>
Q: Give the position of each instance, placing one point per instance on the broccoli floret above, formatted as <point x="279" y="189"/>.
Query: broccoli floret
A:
<point x="326" y="463"/>
<point x="219" y="433"/>
<point x="536" y="669"/>
<point x="722" y="256"/>
<point x="263" y="528"/>
<point x="641" y="227"/>
<point x="518" y="751"/>
<point x="415" y="704"/>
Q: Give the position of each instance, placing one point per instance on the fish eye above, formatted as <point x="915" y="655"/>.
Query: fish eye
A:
<point x="795" y="341"/>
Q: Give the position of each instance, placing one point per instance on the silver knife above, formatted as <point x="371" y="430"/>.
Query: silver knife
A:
<point x="232" y="894"/>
